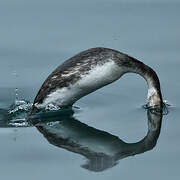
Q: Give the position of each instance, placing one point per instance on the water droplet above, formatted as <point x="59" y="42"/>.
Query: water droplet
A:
<point x="16" y="95"/>
<point x="15" y="74"/>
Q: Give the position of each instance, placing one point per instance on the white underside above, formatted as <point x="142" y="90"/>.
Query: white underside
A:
<point x="96" y="78"/>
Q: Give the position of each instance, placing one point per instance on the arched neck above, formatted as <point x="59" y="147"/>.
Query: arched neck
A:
<point x="154" y="97"/>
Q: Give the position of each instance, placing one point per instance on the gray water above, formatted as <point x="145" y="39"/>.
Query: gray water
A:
<point x="37" y="36"/>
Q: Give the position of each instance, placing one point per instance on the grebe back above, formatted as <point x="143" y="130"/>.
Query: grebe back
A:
<point x="90" y="70"/>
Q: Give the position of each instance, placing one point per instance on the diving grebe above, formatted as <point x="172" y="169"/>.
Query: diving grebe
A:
<point x="90" y="70"/>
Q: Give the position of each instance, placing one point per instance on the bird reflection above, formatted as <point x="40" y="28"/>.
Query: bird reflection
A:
<point x="102" y="149"/>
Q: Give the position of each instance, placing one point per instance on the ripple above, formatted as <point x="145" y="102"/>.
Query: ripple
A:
<point x="156" y="109"/>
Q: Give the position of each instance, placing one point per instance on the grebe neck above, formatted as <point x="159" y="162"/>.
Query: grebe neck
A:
<point x="154" y="96"/>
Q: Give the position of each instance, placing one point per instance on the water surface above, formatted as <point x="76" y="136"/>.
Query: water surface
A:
<point x="37" y="36"/>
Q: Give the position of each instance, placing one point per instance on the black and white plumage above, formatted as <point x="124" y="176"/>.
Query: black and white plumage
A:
<point x="89" y="71"/>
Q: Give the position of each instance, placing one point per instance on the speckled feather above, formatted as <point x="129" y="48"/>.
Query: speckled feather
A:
<point x="84" y="61"/>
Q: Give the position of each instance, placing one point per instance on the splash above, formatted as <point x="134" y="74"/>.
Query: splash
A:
<point x="20" y="106"/>
<point x="18" y="114"/>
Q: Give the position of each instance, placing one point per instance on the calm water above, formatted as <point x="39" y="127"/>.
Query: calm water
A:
<point x="97" y="142"/>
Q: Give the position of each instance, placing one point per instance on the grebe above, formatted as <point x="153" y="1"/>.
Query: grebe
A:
<point x="90" y="70"/>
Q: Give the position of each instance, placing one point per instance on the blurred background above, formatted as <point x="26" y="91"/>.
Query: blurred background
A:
<point x="38" y="35"/>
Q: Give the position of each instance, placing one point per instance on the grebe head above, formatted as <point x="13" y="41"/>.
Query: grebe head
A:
<point x="154" y="97"/>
